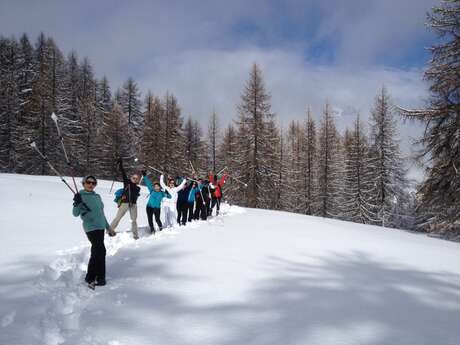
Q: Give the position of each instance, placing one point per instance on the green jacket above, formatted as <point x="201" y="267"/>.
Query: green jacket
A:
<point x="94" y="219"/>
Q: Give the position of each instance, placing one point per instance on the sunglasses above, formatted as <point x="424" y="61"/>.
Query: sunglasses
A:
<point x="91" y="182"/>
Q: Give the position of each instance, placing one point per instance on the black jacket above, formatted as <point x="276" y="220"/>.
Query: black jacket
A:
<point x="131" y="190"/>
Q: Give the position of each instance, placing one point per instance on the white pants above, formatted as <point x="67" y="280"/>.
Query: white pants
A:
<point x="170" y="212"/>
<point x="124" y="207"/>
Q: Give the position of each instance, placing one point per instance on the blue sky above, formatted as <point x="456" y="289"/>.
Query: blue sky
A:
<point x="309" y="50"/>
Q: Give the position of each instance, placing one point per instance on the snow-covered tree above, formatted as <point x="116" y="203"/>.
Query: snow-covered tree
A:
<point x="9" y="102"/>
<point x="213" y="140"/>
<point x="226" y="155"/>
<point x="258" y="140"/>
<point x="152" y="146"/>
<point x="174" y="161"/>
<point x="329" y="167"/>
<point x="358" y="181"/>
<point x="195" y="147"/>
<point x="113" y="143"/>
<point x="388" y="174"/>
<point x="310" y="167"/>
<point x="293" y="157"/>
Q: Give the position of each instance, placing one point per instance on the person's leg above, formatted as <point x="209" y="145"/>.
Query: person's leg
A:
<point x="196" y="216"/>
<point x="213" y="204"/>
<point x="218" y="205"/>
<point x="178" y="208"/>
<point x="133" y="214"/>
<point x="167" y="212"/>
<point x="173" y="210"/>
<point x="150" y="218"/>
<point x="91" y="272"/>
<point x="204" y="211"/>
<point x="157" y="212"/>
<point x="184" y="209"/>
<point x="120" y="213"/>
<point x="100" y="256"/>
<point x="190" y="211"/>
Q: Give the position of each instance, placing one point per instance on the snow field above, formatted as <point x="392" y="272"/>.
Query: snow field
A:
<point x="246" y="277"/>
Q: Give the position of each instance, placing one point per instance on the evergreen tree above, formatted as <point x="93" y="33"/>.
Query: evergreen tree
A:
<point x="309" y="167"/>
<point x="131" y="103"/>
<point x="174" y="160"/>
<point x="438" y="198"/>
<point x="258" y="140"/>
<point x="195" y="147"/>
<point x="113" y="143"/>
<point x="213" y="140"/>
<point x="26" y="160"/>
<point x="152" y="147"/>
<point x="284" y="185"/>
<point x="9" y="102"/>
<point x="226" y="154"/>
<point x="385" y="162"/>
<point x="358" y="179"/>
<point x="44" y="100"/>
<point x="294" y="200"/>
<point x="329" y="167"/>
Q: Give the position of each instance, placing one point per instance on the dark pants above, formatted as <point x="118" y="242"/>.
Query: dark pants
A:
<point x="216" y="202"/>
<point x="208" y="207"/>
<point x="96" y="264"/>
<point x="190" y="211"/>
<point x="201" y="211"/>
<point x="182" y="210"/>
<point x="154" y="211"/>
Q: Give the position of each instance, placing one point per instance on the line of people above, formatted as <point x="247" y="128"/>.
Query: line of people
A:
<point x="182" y="200"/>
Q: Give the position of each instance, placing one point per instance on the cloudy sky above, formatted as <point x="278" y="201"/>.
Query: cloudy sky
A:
<point x="309" y="50"/>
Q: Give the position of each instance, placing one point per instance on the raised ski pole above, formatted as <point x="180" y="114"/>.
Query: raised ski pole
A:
<point x="149" y="166"/>
<point x="238" y="180"/>
<point x="221" y="170"/>
<point x="61" y="138"/>
<point x="34" y="146"/>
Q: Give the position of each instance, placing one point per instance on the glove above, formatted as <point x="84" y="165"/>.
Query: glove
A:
<point x="144" y="173"/>
<point x="111" y="232"/>
<point x="77" y="199"/>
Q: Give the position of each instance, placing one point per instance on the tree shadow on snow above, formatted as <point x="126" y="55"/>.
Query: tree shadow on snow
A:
<point x="341" y="299"/>
<point x="348" y="299"/>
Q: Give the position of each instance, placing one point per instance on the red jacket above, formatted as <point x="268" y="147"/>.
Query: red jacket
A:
<point x="218" y="185"/>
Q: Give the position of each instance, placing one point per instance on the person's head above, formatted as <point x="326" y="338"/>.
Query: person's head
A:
<point x="135" y="178"/>
<point x="157" y="187"/>
<point x="171" y="183"/>
<point x="89" y="183"/>
<point x="200" y="181"/>
<point x="194" y="184"/>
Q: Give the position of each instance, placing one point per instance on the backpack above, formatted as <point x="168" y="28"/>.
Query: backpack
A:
<point x="118" y="195"/>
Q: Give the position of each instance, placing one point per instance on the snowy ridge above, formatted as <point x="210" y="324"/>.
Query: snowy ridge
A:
<point x="62" y="281"/>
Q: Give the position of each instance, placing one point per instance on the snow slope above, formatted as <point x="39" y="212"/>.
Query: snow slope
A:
<point x="246" y="277"/>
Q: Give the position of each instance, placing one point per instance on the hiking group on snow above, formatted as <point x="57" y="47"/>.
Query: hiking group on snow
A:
<point x="182" y="200"/>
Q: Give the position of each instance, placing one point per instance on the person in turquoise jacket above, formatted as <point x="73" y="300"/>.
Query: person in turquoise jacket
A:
<point x="154" y="203"/>
<point x="89" y="207"/>
<point x="191" y="200"/>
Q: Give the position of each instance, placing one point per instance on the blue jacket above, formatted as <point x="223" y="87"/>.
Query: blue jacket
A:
<point x="155" y="197"/>
<point x="95" y="218"/>
<point x="192" y="194"/>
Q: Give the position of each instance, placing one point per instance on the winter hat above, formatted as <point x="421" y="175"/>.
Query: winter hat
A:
<point x="88" y="177"/>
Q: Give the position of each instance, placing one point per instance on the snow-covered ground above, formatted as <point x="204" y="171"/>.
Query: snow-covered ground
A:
<point x="246" y="277"/>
